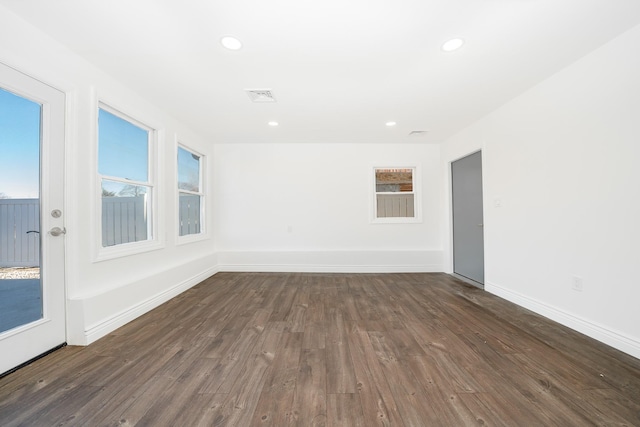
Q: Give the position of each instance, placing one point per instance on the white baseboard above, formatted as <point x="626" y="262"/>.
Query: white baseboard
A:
<point x="332" y="261"/>
<point x="314" y="268"/>
<point x="110" y="324"/>
<point x="601" y="333"/>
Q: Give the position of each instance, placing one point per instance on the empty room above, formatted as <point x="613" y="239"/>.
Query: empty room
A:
<point x="310" y="213"/>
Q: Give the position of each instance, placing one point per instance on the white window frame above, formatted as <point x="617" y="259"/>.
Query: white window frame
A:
<point x="155" y="241"/>
<point x="202" y="235"/>
<point x="417" y="196"/>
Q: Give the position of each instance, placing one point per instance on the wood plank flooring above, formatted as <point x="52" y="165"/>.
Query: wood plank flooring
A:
<point x="279" y="349"/>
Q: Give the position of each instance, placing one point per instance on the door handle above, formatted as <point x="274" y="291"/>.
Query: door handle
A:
<point x="57" y="231"/>
<point x="480" y="225"/>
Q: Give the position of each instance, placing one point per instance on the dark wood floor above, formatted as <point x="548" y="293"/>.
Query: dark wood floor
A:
<point x="243" y="349"/>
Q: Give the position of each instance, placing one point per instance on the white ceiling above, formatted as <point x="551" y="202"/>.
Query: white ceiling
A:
<point x="339" y="69"/>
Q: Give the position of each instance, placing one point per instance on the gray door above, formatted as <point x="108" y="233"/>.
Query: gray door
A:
<point x="468" y="236"/>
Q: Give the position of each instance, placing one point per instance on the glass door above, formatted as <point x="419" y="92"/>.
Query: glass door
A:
<point x="31" y="218"/>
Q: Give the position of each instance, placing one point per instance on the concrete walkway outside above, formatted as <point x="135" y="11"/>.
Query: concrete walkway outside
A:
<point x="20" y="302"/>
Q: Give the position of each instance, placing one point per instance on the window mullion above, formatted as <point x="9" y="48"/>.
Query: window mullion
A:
<point x="126" y="181"/>
<point x="193" y="193"/>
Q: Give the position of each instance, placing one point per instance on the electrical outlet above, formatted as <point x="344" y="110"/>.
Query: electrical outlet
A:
<point x="576" y="284"/>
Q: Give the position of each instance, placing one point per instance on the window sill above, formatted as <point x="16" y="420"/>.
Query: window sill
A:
<point x="398" y="220"/>
<point x="126" y="249"/>
<point x="192" y="238"/>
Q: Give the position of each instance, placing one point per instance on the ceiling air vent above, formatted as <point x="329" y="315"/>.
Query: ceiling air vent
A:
<point x="260" y="95"/>
<point x="418" y="133"/>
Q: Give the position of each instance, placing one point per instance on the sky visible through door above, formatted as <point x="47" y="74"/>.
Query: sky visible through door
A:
<point x="19" y="147"/>
<point x="20" y="284"/>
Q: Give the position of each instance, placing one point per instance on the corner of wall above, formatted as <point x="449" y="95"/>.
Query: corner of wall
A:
<point x="598" y="332"/>
<point x="75" y="323"/>
<point x="93" y="317"/>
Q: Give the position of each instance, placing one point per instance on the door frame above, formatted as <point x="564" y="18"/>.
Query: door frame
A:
<point x="54" y="127"/>
<point x="448" y="251"/>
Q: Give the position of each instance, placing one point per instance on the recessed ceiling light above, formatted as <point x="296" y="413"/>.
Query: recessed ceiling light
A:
<point x="453" y="44"/>
<point x="391" y="124"/>
<point x="272" y="123"/>
<point x="231" y="43"/>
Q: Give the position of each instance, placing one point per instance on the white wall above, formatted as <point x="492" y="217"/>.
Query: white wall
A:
<point x="306" y="207"/>
<point x="564" y="160"/>
<point x="103" y="295"/>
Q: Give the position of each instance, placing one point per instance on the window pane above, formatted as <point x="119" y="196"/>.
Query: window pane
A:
<point x="124" y="213"/>
<point x="123" y="148"/>
<point x="21" y="294"/>
<point x="188" y="170"/>
<point x="394" y="180"/>
<point x="19" y="147"/>
<point x="189" y="214"/>
<point x="394" y="206"/>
